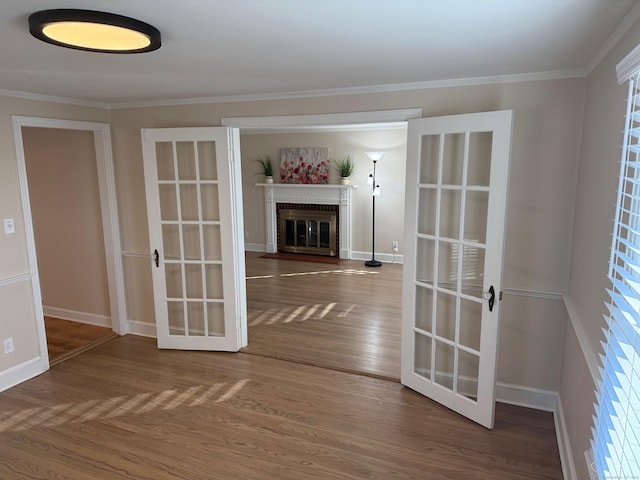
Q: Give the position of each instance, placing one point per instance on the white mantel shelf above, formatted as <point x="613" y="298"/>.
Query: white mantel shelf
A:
<point x="309" y="194"/>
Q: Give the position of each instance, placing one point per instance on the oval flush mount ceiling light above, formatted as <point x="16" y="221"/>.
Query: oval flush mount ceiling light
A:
<point x="94" y="31"/>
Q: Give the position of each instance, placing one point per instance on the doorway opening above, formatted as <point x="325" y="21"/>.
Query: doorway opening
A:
<point x="345" y="316"/>
<point x="30" y="135"/>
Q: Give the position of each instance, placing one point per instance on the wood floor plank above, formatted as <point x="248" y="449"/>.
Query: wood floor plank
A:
<point x="66" y="338"/>
<point x="128" y="410"/>
<point x="345" y="316"/>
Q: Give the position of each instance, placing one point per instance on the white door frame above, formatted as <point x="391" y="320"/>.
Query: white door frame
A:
<point x="378" y="119"/>
<point x="109" y="211"/>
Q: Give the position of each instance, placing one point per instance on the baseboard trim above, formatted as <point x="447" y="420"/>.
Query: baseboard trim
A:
<point x="23" y="372"/>
<point x="529" y="397"/>
<point x="82" y="317"/>
<point x="255" y="247"/>
<point x="142" y="329"/>
<point x="564" y="447"/>
<point x="382" y="257"/>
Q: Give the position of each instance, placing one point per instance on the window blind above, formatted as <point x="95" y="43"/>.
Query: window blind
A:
<point x="616" y="431"/>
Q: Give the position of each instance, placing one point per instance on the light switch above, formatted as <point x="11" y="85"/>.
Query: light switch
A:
<point x="9" y="226"/>
<point x="396" y="189"/>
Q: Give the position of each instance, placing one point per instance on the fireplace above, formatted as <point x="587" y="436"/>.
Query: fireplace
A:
<point x="308" y="228"/>
<point x="327" y="198"/>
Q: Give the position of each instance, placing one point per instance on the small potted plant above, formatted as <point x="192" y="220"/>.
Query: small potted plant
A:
<point x="267" y="168"/>
<point x="345" y="168"/>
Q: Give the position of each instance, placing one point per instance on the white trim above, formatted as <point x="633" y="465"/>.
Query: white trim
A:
<point x="401" y="125"/>
<point x="53" y="99"/>
<point x="108" y="205"/>
<point x="255" y="247"/>
<point x="142" y="329"/>
<point x="628" y="66"/>
<point x="13" y="280"/>
<point x="627" y="22"/>
<point x="81" y="317"/>
<point x="353" y="120"/>
<point x="583" y="340"/>
<point x="382" y="257"/>
<point x="533" y="294"/>
<point x="524" y="396"/>
<point x="330" y="194"/>
<point x="20" y="373"/>
<point x="396" y="87"/>
<point x="106" y="183"/>
<point x="564" y="446"/>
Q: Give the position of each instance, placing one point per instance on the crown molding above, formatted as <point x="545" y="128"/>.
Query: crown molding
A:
<point x="627" y="22"/>
<point x="51" y="98"/>
<point x="397" y="87"/>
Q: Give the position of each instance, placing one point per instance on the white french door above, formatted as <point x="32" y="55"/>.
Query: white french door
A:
<point x="194" y="208"/>
<point x="457" y="177"/>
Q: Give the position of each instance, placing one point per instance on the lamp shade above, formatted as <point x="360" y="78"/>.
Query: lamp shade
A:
<point x="94" y="31"/>
<point x="375" y="156"/>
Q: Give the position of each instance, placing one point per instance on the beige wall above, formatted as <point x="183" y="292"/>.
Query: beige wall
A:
<point x="65" y="207"/>
<point x="17" y="314"/>
<point x="602" y="136"/>
<point x="390" y="172"/>
<point x="540" y="211"/>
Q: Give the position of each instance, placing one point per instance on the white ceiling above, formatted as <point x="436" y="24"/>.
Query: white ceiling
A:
<point x="230" y="48"/>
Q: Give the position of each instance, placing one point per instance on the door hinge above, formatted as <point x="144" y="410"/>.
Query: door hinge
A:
<point x="500" y="297"/>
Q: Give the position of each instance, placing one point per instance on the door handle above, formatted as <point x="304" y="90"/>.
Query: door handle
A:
<point x="156" y="257"/>
<point x="491" y="296"/>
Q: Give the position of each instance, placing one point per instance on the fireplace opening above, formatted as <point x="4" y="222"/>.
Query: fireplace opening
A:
<point x="309" y="229"/>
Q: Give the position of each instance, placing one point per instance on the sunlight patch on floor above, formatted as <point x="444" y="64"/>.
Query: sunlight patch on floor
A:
<point x="331" y="272"/>
<point x="299" y="313"/>
<point x="115" y="407"/>
<point x="320" y="272"/>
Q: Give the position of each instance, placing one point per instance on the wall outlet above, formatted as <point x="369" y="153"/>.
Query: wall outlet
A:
<point x="394" y="245"/>
<point x="8" y="345"/>
<point x="246" y="234"/>
<point x="9" y="226"/>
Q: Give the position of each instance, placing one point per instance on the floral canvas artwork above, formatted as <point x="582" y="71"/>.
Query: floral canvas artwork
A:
<point x="304" y="165"/>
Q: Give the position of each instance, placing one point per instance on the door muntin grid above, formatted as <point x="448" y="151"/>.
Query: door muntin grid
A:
<point x="191" y="236"/>
<point x="454" y="172"/>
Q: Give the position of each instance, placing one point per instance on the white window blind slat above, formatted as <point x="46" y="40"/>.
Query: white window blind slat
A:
<point x="616" y="439"/>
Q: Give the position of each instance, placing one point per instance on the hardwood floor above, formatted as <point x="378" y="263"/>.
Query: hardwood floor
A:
<point x="346" y="316"/>
<point x="66" y="339"/>
<point x="126" y="410"/>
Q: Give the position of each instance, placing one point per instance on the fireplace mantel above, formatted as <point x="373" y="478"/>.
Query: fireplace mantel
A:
<point x="308" y="194"/>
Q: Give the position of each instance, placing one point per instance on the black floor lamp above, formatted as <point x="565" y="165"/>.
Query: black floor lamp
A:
<point x="375" y="192"/>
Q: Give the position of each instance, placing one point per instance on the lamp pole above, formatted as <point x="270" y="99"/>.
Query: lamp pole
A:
<point x="374" y="156"/>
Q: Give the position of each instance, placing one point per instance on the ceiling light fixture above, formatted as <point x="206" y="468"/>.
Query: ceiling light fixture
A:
<point x="94" y="31"/>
